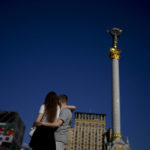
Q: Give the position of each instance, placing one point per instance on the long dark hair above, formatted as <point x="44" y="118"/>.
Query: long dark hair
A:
<point x="51" y="102"/>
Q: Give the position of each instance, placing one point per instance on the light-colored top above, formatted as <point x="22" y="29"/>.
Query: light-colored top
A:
<point x="61" y="133"/>
<point x="42" y="111"/>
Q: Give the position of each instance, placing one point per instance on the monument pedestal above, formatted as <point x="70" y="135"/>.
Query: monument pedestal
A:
<point x="117" y="144"/>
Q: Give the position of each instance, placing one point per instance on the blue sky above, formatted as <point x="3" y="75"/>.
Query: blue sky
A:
<point x="63" y="46"/>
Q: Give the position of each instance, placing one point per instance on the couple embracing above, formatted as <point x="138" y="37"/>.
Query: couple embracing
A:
<point x="53" y="122"/>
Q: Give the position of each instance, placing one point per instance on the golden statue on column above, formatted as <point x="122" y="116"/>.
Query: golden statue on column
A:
<point x="116" y="142"/>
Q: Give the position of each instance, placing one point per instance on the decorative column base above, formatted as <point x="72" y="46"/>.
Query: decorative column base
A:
<point x="114" y="136"/>
<point x="117" y="144"/>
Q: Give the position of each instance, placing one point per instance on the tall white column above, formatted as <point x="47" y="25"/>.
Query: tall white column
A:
<point x="115" y="55"/>
<point x="116" y="143"/>
<point x="115" y="98"/>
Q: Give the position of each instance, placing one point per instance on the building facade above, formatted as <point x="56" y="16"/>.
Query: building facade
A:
<point x="87" y="133"/>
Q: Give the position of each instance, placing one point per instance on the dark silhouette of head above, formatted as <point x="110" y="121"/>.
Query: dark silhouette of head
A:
<point x="63" y="98"/>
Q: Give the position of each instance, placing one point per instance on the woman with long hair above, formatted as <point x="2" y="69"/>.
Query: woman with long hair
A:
<point x="43" y="137"/>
